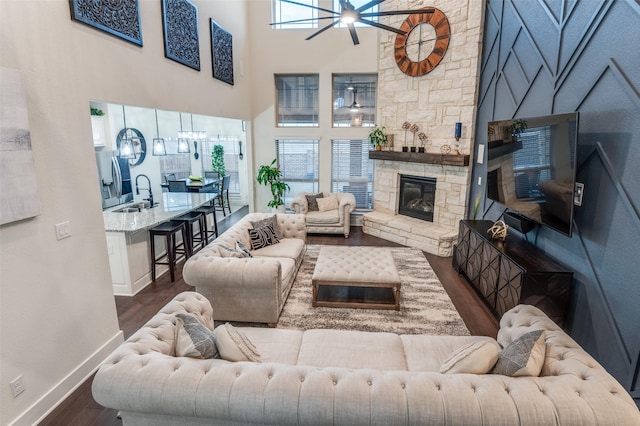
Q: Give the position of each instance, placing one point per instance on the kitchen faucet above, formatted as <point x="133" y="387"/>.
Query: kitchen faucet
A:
<point x="150" y="199"/>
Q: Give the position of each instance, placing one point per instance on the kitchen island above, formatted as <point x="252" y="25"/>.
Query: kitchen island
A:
<point x="128" y="242"/>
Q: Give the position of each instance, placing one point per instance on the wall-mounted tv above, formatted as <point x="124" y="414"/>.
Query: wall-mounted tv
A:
<point x="531" y="167"/>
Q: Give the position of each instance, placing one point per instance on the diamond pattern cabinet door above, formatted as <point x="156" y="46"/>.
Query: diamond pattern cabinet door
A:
<point x="461" y="250"/>
<point x="489" y="272"/>
<point x="475" y="258"/>
<point x="549" y="292"/>
<point x="510" y="281"/>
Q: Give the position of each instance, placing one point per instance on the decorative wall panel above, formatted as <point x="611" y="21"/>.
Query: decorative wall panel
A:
<point x="544" y="57"/>
<point x="120" y="18"/>
<point x="180" y="28"/>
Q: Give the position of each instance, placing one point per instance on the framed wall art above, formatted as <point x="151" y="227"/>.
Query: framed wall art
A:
<point x="180" y="29"/>
<point x="221" y="53"/>
<point x="118" y="18"/>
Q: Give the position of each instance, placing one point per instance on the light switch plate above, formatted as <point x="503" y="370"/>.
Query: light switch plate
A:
<point x="63" y="230"/>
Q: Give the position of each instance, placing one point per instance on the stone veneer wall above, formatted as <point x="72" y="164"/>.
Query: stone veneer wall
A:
<point x="435" y="102"/>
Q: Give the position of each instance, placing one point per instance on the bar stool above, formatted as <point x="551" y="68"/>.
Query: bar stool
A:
<point x="198" y="240"/>
<point x="168" y="230"/>
<point x="206" y="210"/>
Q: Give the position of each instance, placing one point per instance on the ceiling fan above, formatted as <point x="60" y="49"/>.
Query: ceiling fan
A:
<point x="348" y="15"/>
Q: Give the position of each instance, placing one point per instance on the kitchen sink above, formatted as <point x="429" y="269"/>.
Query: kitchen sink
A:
<point x="134" y="207"/>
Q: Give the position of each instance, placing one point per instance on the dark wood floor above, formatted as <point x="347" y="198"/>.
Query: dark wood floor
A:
<point x="133" y="312"/>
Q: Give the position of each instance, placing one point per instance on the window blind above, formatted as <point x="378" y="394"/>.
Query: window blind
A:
<point x="298" y="162"/>
<point x="352" y="171"/>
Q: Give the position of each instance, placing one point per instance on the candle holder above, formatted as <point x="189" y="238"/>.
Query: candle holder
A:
<point x="414" y="129"/>
<point x="423" y="139"/>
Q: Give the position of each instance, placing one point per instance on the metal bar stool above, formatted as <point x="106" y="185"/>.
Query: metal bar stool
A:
<point x="206" y="210"/>
<point x="168" y="230"/>
<point x="198" y="240"/>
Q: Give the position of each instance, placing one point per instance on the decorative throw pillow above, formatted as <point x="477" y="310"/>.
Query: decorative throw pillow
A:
<point x="312" y="201"/>
<point x="243" y="249"/>
<point x="271" y="220"/>
<point x="194" y="339"/>
<point x="329" y="203"/>
<point x="474" y="358"/>
<point x="263" y="237"/>
<point x="522" y="357"/>
<point x="229" y="252"/>
<point x="234" y="345"/>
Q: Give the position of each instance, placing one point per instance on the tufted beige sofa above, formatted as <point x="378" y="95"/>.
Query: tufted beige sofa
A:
<point x="249" y="289"/>
<point x="331" y="377"/>
<point x="327" y="222"/>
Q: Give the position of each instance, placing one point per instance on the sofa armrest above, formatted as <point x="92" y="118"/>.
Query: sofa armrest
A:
<point x="229" y="272"/>
<point x="293" y="225"/>
<point x="299" y="203"/>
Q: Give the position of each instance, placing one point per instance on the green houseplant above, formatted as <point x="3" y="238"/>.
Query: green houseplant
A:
<point x="217" y="160"/>
<point x="270" y="175"/>
<point x="517" y="127"/>
<point x="378" y="137"/>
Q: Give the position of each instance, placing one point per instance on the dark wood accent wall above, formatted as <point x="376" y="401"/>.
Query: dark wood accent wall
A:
<point x="542" y="57"/>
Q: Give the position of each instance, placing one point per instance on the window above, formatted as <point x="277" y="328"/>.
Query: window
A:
<point x="297" y="102"/>
<point x="352" y="171"/>
<point x="177" y="164"/>
<point x="285" y="12"/>
<point x="231" y="151"/>
<point x="298" y="161"/>
<point x="354" y="100"/>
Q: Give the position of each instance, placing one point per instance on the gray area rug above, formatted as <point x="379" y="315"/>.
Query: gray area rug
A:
<point x="425" y="307"/>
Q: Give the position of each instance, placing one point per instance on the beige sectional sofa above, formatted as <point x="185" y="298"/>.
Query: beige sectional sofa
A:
<point x="249" y="289"/>
<point x="332" y="377"/>
<point x="334" y="221"/>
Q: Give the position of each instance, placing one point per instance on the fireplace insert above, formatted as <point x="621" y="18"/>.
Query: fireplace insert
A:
<point x="417" y="197"/>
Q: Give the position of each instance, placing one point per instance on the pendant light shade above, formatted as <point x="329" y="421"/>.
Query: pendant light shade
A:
<point x="158" y="143"/>
<point x="126" y="147"/>
<point x="183" y="142"/>
<point x="355" y="106"/>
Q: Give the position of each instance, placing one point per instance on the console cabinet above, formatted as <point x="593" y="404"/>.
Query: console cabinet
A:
<point x="511" y="272"/>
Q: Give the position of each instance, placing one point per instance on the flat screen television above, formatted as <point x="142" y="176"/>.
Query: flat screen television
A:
<point x="531" y="167"/>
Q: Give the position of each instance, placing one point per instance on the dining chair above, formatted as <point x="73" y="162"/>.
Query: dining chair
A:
<point x="177" y="186"/>
<point x="169" y="176"/>
<point x="211" y="175"/>
<point x="223" y="195"/>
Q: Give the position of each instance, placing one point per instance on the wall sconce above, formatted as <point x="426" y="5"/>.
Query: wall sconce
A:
<point x="158" y="143"/>
<point x="126" y="148"/>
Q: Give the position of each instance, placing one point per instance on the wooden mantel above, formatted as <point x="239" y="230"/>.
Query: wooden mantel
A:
<point x="460" y="160"/>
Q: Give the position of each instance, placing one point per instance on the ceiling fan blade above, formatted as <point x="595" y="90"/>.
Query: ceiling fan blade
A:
<point x="369" y="5"/>
<point x="397" y="12"/>
<point x="323" y="29"/>
<point x="382" y="26"/>
<point x="354" y="36"/>
<point x="302" y="20"/>
<point x="312" y="7"/>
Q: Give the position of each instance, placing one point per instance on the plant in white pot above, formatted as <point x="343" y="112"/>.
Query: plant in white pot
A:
<point x="272" y="177"/>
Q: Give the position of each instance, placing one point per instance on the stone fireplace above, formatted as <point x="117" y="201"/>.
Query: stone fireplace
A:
<point x="450" y="186"/>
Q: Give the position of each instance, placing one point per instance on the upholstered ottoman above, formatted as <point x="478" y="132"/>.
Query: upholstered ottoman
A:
<point x="350" y="267"/>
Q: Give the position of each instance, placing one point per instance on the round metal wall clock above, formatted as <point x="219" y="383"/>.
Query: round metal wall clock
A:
<point x="415" y="37"/>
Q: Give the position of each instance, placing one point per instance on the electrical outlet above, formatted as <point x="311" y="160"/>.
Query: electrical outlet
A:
<point x="63" y="230"/>
<point x="17" y="386"/>
<point x="479" y="180"/>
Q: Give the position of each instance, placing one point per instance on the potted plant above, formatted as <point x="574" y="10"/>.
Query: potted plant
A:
<point x="217" y="160"/>
<point x="517" y="127"/>
<point x="378" y="137"/>
<point x="270" y="176"/>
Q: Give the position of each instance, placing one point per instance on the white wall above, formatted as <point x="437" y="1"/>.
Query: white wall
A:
<point x="58" y="316"/>
<point x="287" y="52"/>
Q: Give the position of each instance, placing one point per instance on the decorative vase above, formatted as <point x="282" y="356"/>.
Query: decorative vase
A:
<point x="378" y="147"/>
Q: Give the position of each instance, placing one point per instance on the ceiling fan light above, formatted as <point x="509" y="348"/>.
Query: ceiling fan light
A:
<point x="348" y="16"/>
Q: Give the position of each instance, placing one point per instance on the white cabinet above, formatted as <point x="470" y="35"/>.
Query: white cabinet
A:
<point x="130" y="261"/>
<point x="100" y="132"/>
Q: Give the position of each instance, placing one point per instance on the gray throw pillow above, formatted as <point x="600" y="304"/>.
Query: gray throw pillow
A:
<point x="263" y="237"/>
<point x="194" y="339"/>
<point x="522" y="357"/>
<point x="271" y="220"/>
<point x="312" y="203"/>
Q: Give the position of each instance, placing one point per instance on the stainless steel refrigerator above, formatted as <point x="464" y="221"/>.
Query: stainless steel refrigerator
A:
<point x="114" y="179"/>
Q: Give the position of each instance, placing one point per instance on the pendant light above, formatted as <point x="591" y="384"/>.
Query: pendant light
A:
<point x="355" y="106"/>
<point x="183" y="143"/>
<point x="126" y="148"/>
<point x="158" y="143"/>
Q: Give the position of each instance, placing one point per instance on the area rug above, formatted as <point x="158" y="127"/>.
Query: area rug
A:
<point x="425" y="307"/>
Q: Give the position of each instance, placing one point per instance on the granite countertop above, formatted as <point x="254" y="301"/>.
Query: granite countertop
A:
<point x="171" y="205"/>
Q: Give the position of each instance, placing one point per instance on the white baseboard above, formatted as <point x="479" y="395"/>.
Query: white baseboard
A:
<point x="48" y="402"/>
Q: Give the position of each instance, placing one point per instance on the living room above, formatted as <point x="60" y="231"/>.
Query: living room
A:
<point x="59" y="319"/>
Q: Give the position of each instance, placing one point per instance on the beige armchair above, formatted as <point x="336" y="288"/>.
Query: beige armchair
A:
<point x="334" y="221"/>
